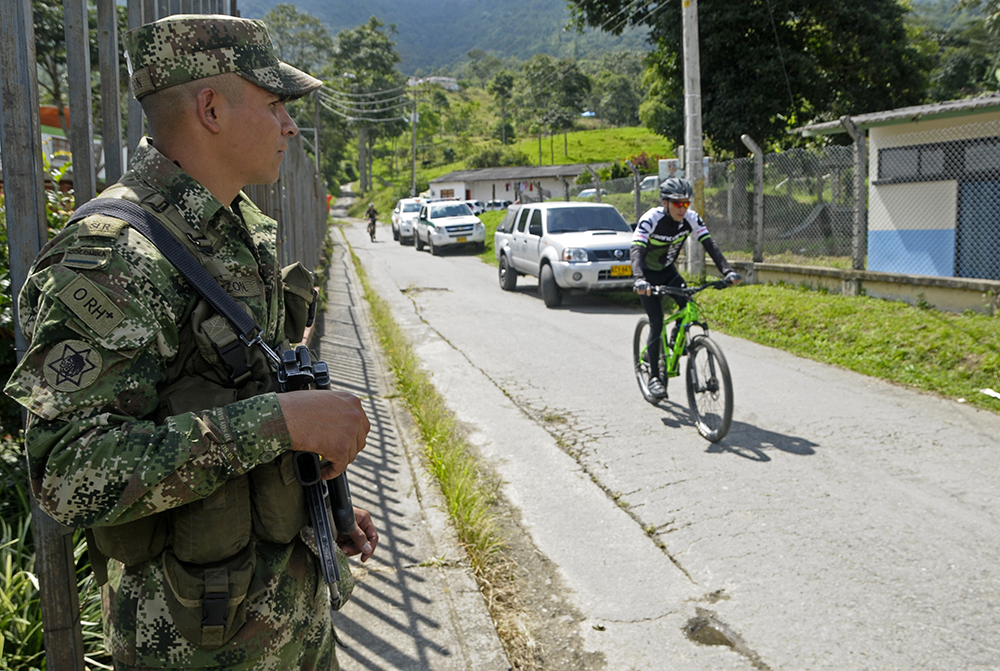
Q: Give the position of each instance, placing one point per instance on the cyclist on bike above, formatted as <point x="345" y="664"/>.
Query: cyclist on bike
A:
<point x="371" y="213"/>
<point x="656" y="242"/>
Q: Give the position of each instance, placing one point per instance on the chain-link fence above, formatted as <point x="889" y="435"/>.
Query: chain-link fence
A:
<point x="808" y="207"/>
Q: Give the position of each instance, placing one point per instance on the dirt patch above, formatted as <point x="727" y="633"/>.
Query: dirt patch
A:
<point x="553" y="623"/>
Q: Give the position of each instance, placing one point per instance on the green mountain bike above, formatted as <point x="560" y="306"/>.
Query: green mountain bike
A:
<point x="709" y="385"/>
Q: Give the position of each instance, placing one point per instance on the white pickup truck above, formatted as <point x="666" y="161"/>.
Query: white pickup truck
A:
<point x="567" y="246"/>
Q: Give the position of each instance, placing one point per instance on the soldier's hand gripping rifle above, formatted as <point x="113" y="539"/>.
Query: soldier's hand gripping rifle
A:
<point x="297" y="371"/>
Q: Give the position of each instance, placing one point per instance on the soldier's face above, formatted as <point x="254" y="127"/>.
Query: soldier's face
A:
<point x="259" y="137"/>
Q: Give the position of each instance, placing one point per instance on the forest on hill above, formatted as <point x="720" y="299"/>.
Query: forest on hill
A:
<point x="433" y="36"/>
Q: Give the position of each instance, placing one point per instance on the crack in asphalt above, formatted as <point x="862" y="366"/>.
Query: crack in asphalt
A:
<point x="705" y="627"/>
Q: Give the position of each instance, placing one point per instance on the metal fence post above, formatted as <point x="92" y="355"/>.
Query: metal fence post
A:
<point x="758" y="196"/>
<point x="860" y="165"/>
<point x="635" y="189"/>
<point x="24" y="187"/>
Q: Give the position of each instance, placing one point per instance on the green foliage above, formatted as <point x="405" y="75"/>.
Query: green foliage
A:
<point x="794" y="64"/>
<point x="299" y="38"/>
<point x="496" y="157"/>
<point x="955" y="355"/>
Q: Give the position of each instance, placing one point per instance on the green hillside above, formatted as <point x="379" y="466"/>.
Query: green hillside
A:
<point x="436" y="35"/>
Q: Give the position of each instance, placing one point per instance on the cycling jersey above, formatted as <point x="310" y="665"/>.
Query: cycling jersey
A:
<point x="658" y="240"/>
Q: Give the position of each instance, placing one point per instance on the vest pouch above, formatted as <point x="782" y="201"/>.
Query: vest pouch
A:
<point x="300" y="298"/>
<point x="208" y="603"/>
<point x="133" y="542"/>
<point x="194" y="394"/>
<point x="278" y="501"/>
<point x="214" y="528"/>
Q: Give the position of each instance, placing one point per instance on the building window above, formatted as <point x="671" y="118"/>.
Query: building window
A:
<point x="447" y="193"/>
<point x="960" y="159"/>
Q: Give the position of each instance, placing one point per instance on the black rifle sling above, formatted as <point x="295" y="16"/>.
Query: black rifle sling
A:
<point x="148" y="225"/>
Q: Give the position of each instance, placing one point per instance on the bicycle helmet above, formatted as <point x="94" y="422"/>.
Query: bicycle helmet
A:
<point x="676" y="188"/>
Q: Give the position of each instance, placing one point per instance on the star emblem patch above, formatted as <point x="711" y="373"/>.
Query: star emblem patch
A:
<point x="72" y="365"/>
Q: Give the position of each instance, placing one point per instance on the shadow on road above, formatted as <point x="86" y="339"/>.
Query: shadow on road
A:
<point x="744" y="440"/>
<point x="751" y="442"/>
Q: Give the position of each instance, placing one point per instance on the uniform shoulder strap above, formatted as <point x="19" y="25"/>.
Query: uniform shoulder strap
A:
<point x="150" y="227"/>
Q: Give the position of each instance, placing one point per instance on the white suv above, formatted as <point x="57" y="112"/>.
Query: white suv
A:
<point x="448" y="223"/>
<point x="404" y="216"/>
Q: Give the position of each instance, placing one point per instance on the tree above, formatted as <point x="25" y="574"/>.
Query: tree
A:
<point x="501" y="87"/>
<point x="768" y="65"/>
<point x="372" y="89"/>
<point x="299" y="38"/>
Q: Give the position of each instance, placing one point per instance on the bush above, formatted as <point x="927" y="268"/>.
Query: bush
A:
<point x="497" y="157"/>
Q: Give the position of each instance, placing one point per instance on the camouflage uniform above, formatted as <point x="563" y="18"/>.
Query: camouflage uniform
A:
<point x="109" y="321"/>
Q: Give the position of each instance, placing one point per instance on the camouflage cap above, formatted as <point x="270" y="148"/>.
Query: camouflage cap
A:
<point x="185" y="47"/>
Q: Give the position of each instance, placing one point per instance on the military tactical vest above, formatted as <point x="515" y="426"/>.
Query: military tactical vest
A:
<point x="207" y="547"/>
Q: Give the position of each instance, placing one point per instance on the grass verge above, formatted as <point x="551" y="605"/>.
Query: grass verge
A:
<point x="954" y="355"/>
<point x="469" y="489"/>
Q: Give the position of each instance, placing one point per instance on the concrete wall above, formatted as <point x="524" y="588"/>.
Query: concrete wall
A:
<point x="945" y="293"/>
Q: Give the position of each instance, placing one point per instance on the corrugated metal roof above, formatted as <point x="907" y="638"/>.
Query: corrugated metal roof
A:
<point x="942" y="110"/>
<point x="524" y="173"/>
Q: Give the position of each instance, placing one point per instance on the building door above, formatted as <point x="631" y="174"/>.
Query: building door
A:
<point x="978" y="245"/>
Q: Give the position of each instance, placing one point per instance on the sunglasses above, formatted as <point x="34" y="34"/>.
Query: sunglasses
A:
<point x="680" y="203"/>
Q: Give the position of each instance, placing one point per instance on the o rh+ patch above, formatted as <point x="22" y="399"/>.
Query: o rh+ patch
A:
<point x="91" y="305"/>
<point x="72" y="365"/>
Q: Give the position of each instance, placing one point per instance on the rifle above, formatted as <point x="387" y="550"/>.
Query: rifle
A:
<point x="298" y="371"/>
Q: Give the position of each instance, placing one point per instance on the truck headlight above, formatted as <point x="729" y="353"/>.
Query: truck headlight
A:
<point x="575" y="255"/>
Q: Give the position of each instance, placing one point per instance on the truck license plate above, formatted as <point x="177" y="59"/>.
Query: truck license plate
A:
<point x="461" y="238"/>
<point x="621" y="271"/>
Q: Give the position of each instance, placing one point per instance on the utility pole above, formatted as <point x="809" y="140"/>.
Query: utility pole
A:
<point x="413" y="154"/>
<point x="692" y="126"/>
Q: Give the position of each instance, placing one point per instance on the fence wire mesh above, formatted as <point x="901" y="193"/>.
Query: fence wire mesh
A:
<point x="935" y="201"/>
<point x="808" y="206"/>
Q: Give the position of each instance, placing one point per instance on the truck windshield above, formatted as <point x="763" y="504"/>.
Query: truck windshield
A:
<point x="455" y="210"/>
<point x="576" y="219"/>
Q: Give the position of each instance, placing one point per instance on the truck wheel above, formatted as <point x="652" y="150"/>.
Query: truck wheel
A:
<point x="551" y="293"/>
<point x="435" y="251"/>
<point x="417" y="242"/>
<point x="508" y="278"/>
<point x="395" y="233"/>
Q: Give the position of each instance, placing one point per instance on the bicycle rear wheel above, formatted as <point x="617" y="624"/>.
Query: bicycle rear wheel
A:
<point x="709" y="389"/>
<point x="639" y="361"/>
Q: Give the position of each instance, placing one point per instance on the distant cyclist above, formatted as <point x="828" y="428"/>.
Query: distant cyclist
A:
<point x="658" y="239"/>
<point x="371" y="214"/>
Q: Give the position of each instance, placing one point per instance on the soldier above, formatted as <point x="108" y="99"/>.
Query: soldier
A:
<point x="141" y="426"/>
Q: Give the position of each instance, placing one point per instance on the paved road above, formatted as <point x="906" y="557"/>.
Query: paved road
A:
<point x="844" y="523"/>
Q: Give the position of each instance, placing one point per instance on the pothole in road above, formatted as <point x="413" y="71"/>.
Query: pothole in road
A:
<point x="706" y="629"/>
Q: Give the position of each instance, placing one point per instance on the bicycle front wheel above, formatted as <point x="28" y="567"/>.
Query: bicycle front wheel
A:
<point x="709" y="389"/>
<point x="640" y="360"/>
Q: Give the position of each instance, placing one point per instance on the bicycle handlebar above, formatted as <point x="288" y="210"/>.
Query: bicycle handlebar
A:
<point x="687" y="292"/>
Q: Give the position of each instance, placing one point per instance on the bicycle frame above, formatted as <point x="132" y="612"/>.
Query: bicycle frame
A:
<point x="685" y="319"/>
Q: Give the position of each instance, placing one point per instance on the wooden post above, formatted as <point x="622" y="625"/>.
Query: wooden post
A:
<point x="111" y="115"/>
<point x="81" y="136"/>
<point x="24" y="188"/>
<point x="135" y="118"/>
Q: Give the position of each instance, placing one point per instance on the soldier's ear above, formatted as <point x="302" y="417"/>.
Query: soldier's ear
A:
<point x="208" y="104"/>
